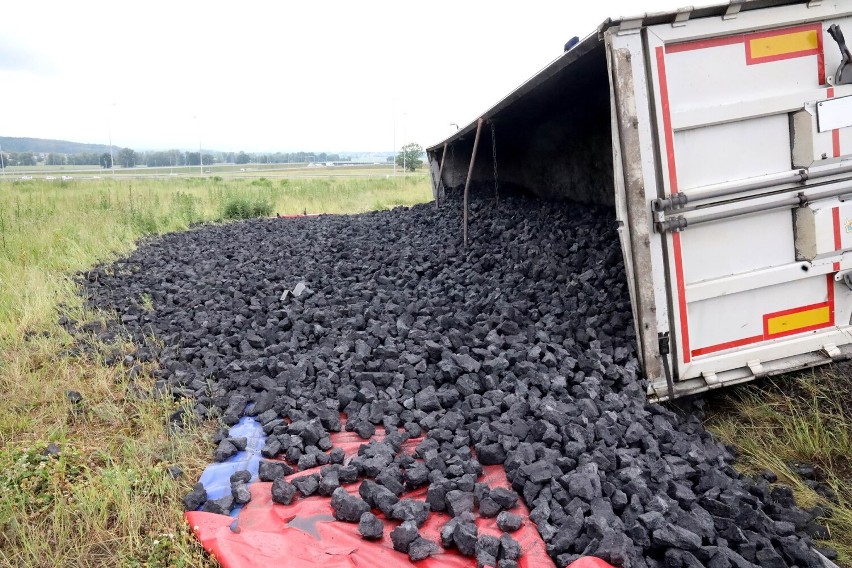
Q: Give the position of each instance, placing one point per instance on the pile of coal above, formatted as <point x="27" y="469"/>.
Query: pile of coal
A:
<point x="518" y="351"/>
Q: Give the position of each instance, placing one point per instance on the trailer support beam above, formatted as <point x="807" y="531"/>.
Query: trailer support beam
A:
<point x="470" y="175"/>
<point x="440" y="183"/>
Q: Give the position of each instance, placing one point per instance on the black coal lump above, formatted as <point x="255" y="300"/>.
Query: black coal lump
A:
<point x="403" y="535"/>
<point x="410" y="510"/>
<point x="283" y="491"/>
<point x="271" y="470"/>
<point x="220" y="506"/>
<point x="195" y="498"/>
<point x="307" y="484"/>
<point x="370" y="527"/>
<point x="346" y="507"/>
<point x="517" y="351"/>
<point x="508" y="521"/>
<point x="422" y="548"/>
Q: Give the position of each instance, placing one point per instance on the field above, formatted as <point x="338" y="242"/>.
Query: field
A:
<point x="225" y="170"/>
<point x="103" y="493"/>
<point x="89" y="481"/>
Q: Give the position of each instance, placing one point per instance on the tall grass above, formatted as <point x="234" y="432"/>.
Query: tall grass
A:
<point x="805" y="418"/>
<point x="106" y="496"/>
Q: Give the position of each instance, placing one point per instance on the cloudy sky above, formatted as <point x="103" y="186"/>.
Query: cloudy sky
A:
<point x="277" y="75"/>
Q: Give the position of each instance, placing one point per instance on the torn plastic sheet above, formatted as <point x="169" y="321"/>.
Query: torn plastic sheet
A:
<point x="216" y="476"/>
<point x="305" y="534"/>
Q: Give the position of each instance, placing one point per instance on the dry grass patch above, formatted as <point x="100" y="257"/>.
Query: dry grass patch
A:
<point x="805" y="418"/>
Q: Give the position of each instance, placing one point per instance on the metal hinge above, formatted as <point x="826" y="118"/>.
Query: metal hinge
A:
<point x="756" y="368"/>
<point x="682" y="16"/>
<point x="733" y="9"/>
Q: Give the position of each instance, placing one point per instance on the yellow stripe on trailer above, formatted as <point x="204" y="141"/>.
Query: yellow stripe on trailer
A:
<point x="779" y="46"/>
<point x="798" y="321"/>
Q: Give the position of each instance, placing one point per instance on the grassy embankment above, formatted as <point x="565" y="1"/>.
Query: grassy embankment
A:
<point x="104" y="496"/>
<point x="802" y="418"/>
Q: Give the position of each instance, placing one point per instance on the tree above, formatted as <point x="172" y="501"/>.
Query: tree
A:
<point x="127" y="158"/>
<point x="54" y="159"/>
<point x="242" y="158"/>
<point x="410" y="157"/>
<point x="106" y="160"/>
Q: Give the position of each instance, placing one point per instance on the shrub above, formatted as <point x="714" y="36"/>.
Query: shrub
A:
<point x="262" y="182"/>
<point x="241" y="207"/>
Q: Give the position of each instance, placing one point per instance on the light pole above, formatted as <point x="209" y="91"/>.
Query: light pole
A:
<point x="394" y="138"/>
<point x="404" y="117"/>
<point x="2" y="164"/>
<point x="109" y="131"/>
<point x="200" y="155"/>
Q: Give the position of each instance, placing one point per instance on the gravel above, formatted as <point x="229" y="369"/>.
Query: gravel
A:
<point x="518" y="351"/>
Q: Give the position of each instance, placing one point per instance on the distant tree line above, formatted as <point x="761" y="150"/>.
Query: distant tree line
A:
<point x="129" y="158"/>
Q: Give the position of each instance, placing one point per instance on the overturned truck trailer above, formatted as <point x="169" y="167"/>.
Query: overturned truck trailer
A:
<point x="721" y="136"/>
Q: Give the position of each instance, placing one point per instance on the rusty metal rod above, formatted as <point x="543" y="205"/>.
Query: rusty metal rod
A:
<point x="440" y="177"/>
<point x="470" y="174"/>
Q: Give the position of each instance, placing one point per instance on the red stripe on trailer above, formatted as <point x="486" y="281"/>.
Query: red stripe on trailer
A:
<point x="681" y="295"/>
<point x="667" y="120"/>
<point x="835" y="134"/>
<point x="744" y="39"/>
<point x="704" y="43"/>
<point x="838" y="245"/>
<point x="726" y="346"/>
<point x="672" y="167"/>
<point x="830" y="281"/>
<point x="835" y="217"/>
<point x="765" y="336"/>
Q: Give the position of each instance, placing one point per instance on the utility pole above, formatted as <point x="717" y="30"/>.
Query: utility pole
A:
<point x="394" y="138"/>
<point x="111" y="160"/>
<point x="2" y="164"/>
<point x="200" y="155"/>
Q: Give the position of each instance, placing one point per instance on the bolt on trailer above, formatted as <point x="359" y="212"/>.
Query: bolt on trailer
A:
<point x="721" y="136"/>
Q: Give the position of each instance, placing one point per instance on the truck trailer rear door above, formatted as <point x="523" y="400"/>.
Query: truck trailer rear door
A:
<point x="752" y="217"/>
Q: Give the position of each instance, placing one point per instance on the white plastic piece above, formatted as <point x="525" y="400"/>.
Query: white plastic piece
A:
<point x="299" y="289"/>
<point x="756" y="368"/>
<point x="711" y="379"/>
<point x="733" y="10"/>
<point x="682" y="17"/>
<point x="832" y="351"/>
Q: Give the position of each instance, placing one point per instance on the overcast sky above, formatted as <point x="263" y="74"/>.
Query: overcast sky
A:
<point x="277" y="75"/>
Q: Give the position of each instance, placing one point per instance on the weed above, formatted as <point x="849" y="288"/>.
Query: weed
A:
<point x="802" y="418"/>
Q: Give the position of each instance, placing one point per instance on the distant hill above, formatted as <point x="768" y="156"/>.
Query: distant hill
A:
<point x="10" y="144"/>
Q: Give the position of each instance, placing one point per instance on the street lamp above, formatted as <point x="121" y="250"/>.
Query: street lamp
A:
<point x="109" y="130"/>
<point x="200" y="155"/>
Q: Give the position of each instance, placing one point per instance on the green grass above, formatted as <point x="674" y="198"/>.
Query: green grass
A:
<point x="801" y="418"/>
<point x="106" y="498"/>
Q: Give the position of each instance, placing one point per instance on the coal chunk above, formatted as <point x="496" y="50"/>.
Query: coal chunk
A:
<point x="346" y="507"/>
<point x="270" y="471"/>
<point x="403" y="535"/>
<point x="195" y="498"/>
<point x="283" y="491"/>
<point x="370" y="527"/>
<point x="509" y="522"/>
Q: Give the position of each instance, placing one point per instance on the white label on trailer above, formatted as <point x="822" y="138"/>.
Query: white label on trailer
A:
<point x="834" y="114"/>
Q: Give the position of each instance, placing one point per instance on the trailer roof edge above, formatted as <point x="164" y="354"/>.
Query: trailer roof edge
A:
<point x="593" y="40"/>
